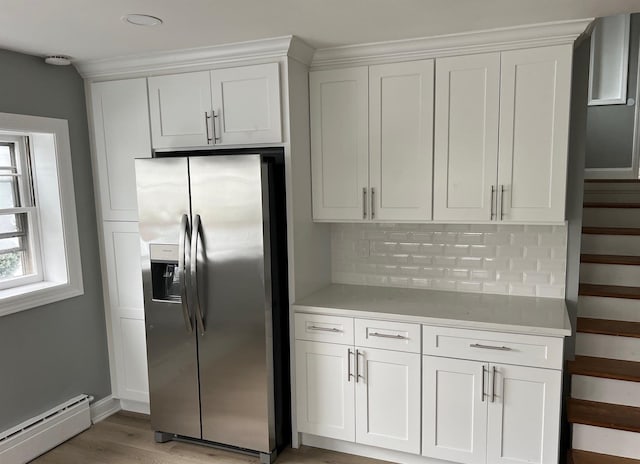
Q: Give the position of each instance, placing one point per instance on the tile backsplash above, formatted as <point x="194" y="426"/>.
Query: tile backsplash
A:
<point x="506" y="259"/>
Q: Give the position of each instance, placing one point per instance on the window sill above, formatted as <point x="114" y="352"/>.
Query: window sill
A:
<point x="13" y="300"/>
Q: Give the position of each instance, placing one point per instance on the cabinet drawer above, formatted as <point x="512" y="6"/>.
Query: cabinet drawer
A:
<point x="395" y="336"/>
<point x="525" y="350"/>
<point x="320" y="328"/>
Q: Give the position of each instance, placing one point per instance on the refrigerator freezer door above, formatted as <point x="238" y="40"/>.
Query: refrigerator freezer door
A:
<point x="234" y="290"/>
<point x="163" y="201"/>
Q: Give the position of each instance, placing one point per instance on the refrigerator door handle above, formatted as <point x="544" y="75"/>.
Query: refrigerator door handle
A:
<point x="184" y="262"/>
<point x="195" y="234"/>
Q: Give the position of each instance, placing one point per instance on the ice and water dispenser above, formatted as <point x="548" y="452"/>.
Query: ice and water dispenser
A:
<point x="165" y="276"/>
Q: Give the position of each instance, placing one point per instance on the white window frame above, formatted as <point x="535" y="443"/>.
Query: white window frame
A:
<point x="32" y="219"/>
<point x="56" y="214"/>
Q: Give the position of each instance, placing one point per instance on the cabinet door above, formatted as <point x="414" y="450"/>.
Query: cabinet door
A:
<point x="454" y="409"/>
<point x="466" y="137"/>
<point x="325" y="391"/>
<point x="124" y="282"/>
<point x="246" y="102"/>
<point x="339" y="143"/>
<point x="401" y="140"/>
<point x="388" y="400"/>
<point x="179" y="104"/>
<point x="524" y="415"/>
<point x="534" y="130"/>
<point x="120" y="114"/>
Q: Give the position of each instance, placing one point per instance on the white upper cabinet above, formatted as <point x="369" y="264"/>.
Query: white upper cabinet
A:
<point x="535" y="96"/>
<point x="339" y="143"/>
<point x="372" y="142"/>
<point x="246" y="104"/>
<point x="180" y="106"/>
<point x="225" y="106"/>
<point x="467" y="96"/>
<point x="401" y="140"/>
<point x="121" y="134"/>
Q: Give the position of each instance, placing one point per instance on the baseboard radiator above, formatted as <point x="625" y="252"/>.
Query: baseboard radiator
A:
<point x="26" y="441"/>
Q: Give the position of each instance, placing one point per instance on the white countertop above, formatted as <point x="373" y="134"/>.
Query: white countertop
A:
<point x="520" y="314"/>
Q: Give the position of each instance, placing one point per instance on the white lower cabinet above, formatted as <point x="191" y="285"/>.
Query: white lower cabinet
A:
<point x="388" y="399"/>
<point x="353" y="393"/>
<point x="325" y="391"/>
<point x="476" y="412"/>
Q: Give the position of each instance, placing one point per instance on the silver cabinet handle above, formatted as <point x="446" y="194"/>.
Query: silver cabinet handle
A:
<point x="396" y="337"/>
<point x="373" y="203"/>
<point x="195" y="234"/>
<point x="324" y="329"/>
<point x="183" y="263"/>
<point x="501" y="202"/>
<point x="216" y="139"/>
<point x="493" y="193"/>
<point x="358" y="376"/>
<point x="349" y="374"/>
<point x="364" y="202"/>
<point x="493" y="385"/>
<point x="490" y="347"/>
<point x="206" y="126"/>
<point x="483" y="394"/>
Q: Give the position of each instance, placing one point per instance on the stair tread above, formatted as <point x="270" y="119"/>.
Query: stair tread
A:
<point x="606" y="204"/>
<point x="610" y="259"/>
<point x="609" y="291"/>
<point x="611" y="230"/>
<point x="605" y="368"/>
<point x="612" y="181"/>
<point x="586" y="457"/>
<point x="608" y="327"/>
<point x="607" y="415"/>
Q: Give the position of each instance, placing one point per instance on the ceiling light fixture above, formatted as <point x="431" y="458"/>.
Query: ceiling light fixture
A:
<point x="142" y="20"/>
<point x="58" y="60"/>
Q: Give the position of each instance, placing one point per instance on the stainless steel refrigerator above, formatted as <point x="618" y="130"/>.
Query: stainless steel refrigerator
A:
<point x="213" y="247"/>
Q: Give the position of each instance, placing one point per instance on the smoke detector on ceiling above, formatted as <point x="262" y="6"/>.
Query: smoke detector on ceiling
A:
<point x="58" y="60"/>
<point x="142" y="20"/>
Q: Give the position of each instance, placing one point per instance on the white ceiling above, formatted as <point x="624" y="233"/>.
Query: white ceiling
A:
<point x="92" y="29"/>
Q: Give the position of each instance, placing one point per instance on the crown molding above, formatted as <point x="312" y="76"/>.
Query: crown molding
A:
<point x="533" y="35"/>
<point x="195" y="58"/>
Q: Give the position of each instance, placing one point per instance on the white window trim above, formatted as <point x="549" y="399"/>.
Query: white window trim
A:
<point x="58" y="232"/>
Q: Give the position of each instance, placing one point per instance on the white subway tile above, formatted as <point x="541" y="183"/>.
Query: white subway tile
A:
<point x="395" y="281"/>
<point x="553" y="239"/>
<point x="398" y="236"/>
<point x="433" y="271"/>
<point x="422" y="260"/>
<point x="442" y="284"/>
<point x="536" y="229"/>
<point x="483" y="250"/>
<point x="509" y="276"/>
<point x="432" y="249"/>
<point x="483" y="274"/>
<point x="444" y="261"/>
<point x="483" y="228"/>
<point x="496" y="263"/>
<point x="550" y="291"/>
<point x="366" y="268"/>
<point x="552" y="265"/>
<point x="469" y="262"/>
<point x="422" y="237"/>
<point x="456" y="227"/>
<point x="509" y="251"/>
<point x="399" y="258"/>
<point x="375" y="234"/>
<point x="457" y="250"/>
<point x="420" y="282"/>
<point x="410" y="270"/>
<point x="444" y="237"/>
<point x="537" y="252"/>
<point x="522" y="289"/>
<point x="463" y="286"/>
<point x="497" y="238"/>
<point x="409" y="247"/>
<point x="458" y="273"/>
<point x="495" y="287"/>
<point x="523" y="264"/>
<point x="471" y="238"/>
<point x="376" y="280"/>
<point x="537" y="277"/>
<point x="522" y="239"/>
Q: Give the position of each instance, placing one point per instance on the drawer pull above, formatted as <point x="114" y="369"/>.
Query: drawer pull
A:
<point x="396" y="337"/>
<point x="324" y="329"/>
<point x="489" y="347"/>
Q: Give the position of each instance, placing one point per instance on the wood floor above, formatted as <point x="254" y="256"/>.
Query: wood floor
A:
<point x="125" y="439"/>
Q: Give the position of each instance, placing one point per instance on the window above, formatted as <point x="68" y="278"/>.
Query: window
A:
<point x="39" y="249"/>
<point x="20" y="261"/>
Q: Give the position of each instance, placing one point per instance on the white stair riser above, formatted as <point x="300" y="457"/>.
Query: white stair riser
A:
<point x="611" y="244"/>
<point x="605" y="390"/>
<point x="612" y="197"/>
<point x="606" y="441"/>
<point x="619" y="309"/>
<point x="608" y="346"/>
<point x="610" y="274"/>
<point x="611" y="217"/>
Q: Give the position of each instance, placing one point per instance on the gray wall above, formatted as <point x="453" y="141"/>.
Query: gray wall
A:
<point x="57" y="351"/>
<point x="610" y="127"/>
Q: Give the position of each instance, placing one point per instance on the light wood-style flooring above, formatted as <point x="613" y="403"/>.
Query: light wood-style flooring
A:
<point x="125" y="438"/>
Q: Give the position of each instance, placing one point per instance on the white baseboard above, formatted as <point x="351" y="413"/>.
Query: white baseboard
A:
<point x="104" y="408"/>
<point x="140" y="407"/>
<point x="367" y="451"/>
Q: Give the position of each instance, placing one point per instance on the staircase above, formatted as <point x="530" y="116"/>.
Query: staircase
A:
<point x="604" y="407"/>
